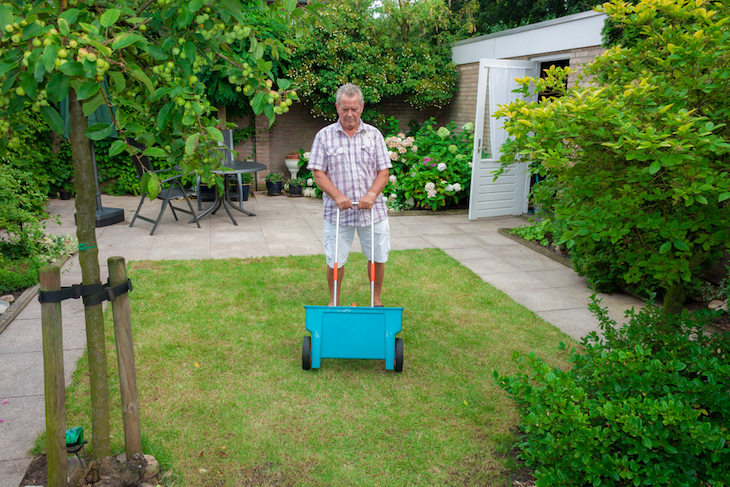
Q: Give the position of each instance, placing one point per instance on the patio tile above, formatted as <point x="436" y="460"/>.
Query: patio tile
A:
<point x="496" y="239"/>
<point x="13" y="471"/>
<point x="558" y="278"/>
<point x="533" y="261"/>
<point x="452" y="241"/>
<point x="510" y="282"/>
<point x="575" y="322"/>
<point x="488" y="266"/>
<point x="469" y="253"/>
<point x="549" y="299"/>
<point x="25" y="419"/>
<point x="406" y="243"/>
<point x="21" y="374"/>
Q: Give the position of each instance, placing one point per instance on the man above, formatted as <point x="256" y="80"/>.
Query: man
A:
<point x="350" y="162"/>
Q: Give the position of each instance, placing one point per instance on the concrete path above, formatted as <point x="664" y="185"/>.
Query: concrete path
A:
<point x="282" y="226"/>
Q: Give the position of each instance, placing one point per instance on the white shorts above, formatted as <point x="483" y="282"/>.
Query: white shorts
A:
<point x="347" y="235"/>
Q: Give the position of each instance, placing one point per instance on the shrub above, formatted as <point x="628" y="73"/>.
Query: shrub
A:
<point x="646" y="405"/>
<point x="637" y="160"/>
<point x="402" y="52"/>
<point x="432" y="169"/>
<point x="31" y="151"/>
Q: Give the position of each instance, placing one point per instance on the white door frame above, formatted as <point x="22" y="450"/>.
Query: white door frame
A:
<point x="508" y="195"/>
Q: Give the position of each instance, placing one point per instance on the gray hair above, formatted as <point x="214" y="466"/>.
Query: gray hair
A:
<point x="349" y="89"/>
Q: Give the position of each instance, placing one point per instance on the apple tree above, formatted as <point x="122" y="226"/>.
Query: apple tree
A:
<point x="150" y="54"/>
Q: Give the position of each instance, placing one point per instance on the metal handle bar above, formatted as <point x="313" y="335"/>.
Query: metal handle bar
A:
<point x="372" y="254"/>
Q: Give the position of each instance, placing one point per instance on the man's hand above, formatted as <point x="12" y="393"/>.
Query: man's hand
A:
<point x="343" y="202"/>
<point x="367" y="201"/>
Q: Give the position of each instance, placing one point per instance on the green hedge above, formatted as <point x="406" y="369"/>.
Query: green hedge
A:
<point x="646" y="405"/>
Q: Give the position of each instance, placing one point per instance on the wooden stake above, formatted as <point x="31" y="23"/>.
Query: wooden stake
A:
<point x="53" y="378"/>
<point x="125" y="357"/>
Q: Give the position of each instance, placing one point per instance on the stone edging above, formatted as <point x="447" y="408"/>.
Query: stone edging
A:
<point x="563" y="259"/>
<point x="19" y="304"/>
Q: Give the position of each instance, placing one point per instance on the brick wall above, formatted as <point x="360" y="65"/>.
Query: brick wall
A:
<point x="578" y="59"/>
<point x="463" y="106"/>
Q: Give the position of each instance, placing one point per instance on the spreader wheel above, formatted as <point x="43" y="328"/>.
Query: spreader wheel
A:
<point x="307" y="353"/>
<point x="398" y="355"/>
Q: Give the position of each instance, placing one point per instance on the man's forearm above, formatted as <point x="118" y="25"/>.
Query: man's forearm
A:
<point x="380" y="181"/>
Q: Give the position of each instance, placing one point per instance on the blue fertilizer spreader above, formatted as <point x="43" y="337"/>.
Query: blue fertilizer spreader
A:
<point x="351" y="332"/>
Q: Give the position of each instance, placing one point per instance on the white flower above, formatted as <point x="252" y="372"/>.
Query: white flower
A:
<point x="441" y="166"/>
<point x="393" y="156"/>
<point x="392" y="178"/>
<point x="429" y="186"/>
<point x="457" y="187"/>
<point x="393" y="197"/>
<point x="414" y="149"/>
<point x="310" y="182"/>
<point x="402" y="150"/>
<point x="306" y="156"/>
<point x="410" y="201"/>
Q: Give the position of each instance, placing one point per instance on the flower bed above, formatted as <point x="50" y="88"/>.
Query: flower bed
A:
<point x="431" y="169"/>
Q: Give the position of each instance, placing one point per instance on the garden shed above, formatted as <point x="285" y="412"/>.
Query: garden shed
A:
<point x="488" y="65"/>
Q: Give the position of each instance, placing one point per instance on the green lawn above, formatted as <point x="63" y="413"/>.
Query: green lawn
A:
<point x="224" y="400"/>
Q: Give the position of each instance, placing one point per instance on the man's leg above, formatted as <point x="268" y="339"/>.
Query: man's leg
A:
<point x="379" y="273"/>
<point x="331" y="283"/>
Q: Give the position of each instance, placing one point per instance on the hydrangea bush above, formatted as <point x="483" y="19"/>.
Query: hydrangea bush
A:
<point x="432" y="169"/>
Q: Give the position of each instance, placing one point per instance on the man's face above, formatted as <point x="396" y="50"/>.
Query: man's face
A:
<point x="349" y="109"/>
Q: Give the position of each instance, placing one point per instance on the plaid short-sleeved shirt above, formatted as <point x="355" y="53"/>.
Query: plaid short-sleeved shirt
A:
<point x="352" y="165"/>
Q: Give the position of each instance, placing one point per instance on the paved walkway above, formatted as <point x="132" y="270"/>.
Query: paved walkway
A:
<point x="283" y="226"/>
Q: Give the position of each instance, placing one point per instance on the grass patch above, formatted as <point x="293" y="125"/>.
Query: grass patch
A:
<point x="224" y="400"/>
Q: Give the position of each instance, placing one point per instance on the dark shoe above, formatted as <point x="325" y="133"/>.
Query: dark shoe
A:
<point x="379" y="306"/>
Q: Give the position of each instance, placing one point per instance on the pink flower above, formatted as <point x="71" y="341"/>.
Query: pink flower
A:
<point x="5" y="401"/>
<point x="426" y="160"/>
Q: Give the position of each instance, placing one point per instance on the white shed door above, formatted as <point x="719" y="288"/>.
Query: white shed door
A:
<point x="508" y="194"/>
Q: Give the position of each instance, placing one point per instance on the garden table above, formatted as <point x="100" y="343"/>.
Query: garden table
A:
<point x="233" y="168"/>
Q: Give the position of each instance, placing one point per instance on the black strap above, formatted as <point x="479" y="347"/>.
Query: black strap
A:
<point x="75" y="291"/>
<point x="92" y="294"/>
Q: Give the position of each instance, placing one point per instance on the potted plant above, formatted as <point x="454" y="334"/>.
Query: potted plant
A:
<point x="246" y="180"/>
<point x="66" y="192"/>
<point x="274" y="183"/>
<point x="295" y="186"/>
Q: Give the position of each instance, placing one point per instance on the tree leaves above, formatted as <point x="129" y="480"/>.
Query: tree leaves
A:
<point x="110" y="17"/>
<point x="98" y="131"/>
<point x="53" y="119"/>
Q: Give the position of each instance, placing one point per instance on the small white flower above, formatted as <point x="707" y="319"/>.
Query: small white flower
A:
<point x="410" y="201"/>
<point x="392" y="178"/>
<point x="310" y="182"/>
<point x="457" y="187"/>
<point x="306" y="156"/>
<point x="393" y="197"/>
<point x="429" y="186"/>
<point x="441" y="166"/>
<point x="393" y="155"/>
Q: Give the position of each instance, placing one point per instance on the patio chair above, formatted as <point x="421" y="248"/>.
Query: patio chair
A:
<point x="172" y="188"/>
<point x="228" y="157"/>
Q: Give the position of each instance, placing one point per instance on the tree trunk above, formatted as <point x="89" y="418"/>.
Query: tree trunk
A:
<point x="674" y="299"/>
<point x="89" y="261"/>
<point x="222" y="117"/>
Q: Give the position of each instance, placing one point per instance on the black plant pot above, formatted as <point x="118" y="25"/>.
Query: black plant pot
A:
<point x="274" y="188"/>
<point x="65" y="195"/>
<point x="295" y="190"/>
<point x="233" y="191"/>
